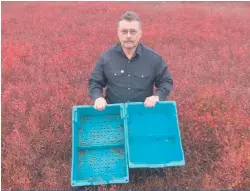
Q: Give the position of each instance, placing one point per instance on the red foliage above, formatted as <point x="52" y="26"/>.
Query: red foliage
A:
<point x="49" y="49"/>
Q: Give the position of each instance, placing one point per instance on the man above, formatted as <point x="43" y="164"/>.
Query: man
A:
<point x="129" y="70"/>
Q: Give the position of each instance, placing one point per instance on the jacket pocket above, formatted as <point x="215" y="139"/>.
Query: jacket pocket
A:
<point x="115" y="76"/>
<point x="142" y="79"/>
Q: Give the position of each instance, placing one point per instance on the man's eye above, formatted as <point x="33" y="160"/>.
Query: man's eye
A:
<point x="133" y="32"/>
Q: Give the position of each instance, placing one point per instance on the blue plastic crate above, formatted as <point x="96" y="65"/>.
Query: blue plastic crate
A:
<point x="99" y="155"/>
<point x="154" y="138"/>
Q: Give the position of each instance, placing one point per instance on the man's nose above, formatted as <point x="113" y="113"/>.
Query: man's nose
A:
<point x="128" y="35"/>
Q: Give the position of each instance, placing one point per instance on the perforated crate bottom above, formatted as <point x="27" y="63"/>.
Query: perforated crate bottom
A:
<point x="100" y="156"/>
<point x="101" y="130"/>
<point x="102" y="166"/>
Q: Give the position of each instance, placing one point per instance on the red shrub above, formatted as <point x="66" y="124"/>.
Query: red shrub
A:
<point x="49" y="49"/>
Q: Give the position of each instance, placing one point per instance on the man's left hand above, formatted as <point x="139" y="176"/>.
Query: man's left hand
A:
<point x="151" y="101"/>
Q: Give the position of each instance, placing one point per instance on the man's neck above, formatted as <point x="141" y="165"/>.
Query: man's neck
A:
<point x="129" y="52"/>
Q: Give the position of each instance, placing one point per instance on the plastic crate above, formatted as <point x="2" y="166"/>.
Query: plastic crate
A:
<point x="99" y="154"/>
<point x="154" y="138"/>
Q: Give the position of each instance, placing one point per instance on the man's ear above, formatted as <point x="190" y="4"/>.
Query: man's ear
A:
<point x="140" y="33"/>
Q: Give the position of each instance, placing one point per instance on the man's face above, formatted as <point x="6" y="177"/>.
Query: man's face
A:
<point x="129" y="33"/>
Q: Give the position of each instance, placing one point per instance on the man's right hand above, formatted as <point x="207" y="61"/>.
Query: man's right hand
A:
<point x="100" y="104"/>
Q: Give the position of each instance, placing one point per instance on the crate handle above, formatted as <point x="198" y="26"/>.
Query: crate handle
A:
<point x="122" y="113"/>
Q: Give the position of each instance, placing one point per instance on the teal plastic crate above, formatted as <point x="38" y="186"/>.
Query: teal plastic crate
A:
<point x="154" y="139"/>
<point x="105" y="144"/>
<point x="99" y="155"/>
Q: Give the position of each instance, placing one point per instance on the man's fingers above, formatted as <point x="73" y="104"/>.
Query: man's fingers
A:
<point x="97" y="106"/>
<point x="100" y="106"/>
<point x="149" y="102"/>
<point x="152" y="104"/>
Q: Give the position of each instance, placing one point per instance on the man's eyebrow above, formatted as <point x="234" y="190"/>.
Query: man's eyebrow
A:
<point x="129" y="29"/>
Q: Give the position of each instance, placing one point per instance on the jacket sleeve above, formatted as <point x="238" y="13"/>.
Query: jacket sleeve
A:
<point x="163" y="80"/>
<point x="97" y="80"/>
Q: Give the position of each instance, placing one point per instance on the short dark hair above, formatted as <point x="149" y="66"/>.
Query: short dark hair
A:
<point x="129" y="16"/>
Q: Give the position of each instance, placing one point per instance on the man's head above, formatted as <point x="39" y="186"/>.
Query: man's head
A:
<point x="129" y="30"/>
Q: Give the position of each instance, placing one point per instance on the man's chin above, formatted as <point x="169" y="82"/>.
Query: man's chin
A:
<point x="129" y="46"/>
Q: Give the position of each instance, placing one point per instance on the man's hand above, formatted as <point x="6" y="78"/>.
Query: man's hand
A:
<point x="151" y="101"/>
<point x="100" y="104"/>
